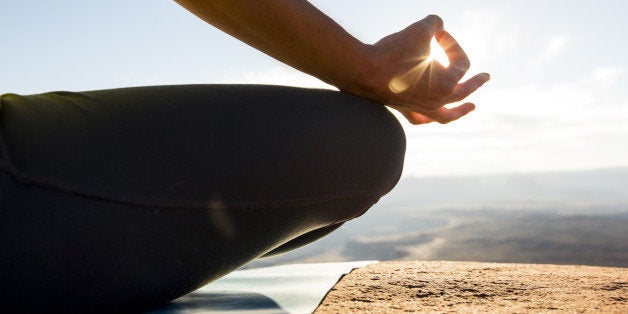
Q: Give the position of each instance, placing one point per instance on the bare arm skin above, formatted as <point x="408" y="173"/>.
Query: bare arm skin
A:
<point x="393" y="71"/>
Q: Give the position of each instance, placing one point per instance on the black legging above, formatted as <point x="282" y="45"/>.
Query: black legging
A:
<point x="125" y="199"/>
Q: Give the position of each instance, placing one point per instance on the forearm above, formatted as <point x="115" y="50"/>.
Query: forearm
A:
<point x="393" y="71"/>
<point x="293" y="32"/>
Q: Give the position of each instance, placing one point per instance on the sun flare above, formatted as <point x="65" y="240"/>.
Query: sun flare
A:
<point x="437" y="53"/>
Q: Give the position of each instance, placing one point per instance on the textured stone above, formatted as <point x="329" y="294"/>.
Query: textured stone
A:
<point x="391" y="287"/>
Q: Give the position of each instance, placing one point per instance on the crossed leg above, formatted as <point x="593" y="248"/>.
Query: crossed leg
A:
<point x="125" y="199"/>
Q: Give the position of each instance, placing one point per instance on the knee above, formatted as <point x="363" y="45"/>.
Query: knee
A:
<point x="388" y="151"/>
<point x="313" y="143"/>
<point x="376" y="149"/>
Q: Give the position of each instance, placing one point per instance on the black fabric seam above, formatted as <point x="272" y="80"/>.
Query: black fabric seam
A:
<point x="21" y="177"/>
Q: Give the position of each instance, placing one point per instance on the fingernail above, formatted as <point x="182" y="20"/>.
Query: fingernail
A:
<point x="486" y="76"/>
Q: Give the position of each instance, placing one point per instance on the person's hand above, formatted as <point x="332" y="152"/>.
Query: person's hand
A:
<point x="395" y="71"/>
<point x="403" y="77"/>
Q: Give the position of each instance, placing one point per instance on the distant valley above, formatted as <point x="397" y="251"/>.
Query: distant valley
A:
<point x="558" y="218"/>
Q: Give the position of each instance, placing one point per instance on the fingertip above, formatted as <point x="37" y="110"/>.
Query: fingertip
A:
<point x="435" y="21"/>
<point x="464" y="109"/>
<point x="479" y="80"/>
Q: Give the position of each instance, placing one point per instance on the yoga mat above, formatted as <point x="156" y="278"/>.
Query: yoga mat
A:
<point x="294" y="289"/>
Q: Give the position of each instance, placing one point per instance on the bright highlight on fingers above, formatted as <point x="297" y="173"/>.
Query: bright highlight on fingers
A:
<point x="417" y="118"/>
<point x="458" y="61"/>
<point x="441" y="115"/>
<point x="403" y="81"/>
<point x="437" y="53"/>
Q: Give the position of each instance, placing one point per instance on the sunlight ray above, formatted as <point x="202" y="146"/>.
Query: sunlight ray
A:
<point x="437" y="53"/>
<point x="402" y="82"/>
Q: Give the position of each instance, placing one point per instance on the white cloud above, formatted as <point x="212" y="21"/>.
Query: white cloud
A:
<point x="566" y="126"/>
<point x="486" y="34"/>
<point x="554" y="47"/>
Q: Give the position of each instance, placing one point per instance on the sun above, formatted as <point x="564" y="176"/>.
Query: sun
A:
<point x="437" y="53"/>
<point x="403" y="81"/>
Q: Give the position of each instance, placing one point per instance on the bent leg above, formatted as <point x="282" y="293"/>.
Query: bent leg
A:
<point x="304" y="239"/>
<point x="127" y="198"/>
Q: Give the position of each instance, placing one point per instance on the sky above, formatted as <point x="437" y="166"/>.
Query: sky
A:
<point x="557" y="100"/>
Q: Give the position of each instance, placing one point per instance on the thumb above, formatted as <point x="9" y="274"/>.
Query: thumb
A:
<point x="415" y="117"/>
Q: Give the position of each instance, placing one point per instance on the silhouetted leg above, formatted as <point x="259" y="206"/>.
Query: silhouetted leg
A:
<point x="124" y="199"/>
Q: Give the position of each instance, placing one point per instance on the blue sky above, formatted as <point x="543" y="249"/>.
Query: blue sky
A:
<point x="557" y="99"/>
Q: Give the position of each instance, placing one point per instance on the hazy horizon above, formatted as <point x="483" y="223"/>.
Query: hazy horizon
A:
<point x="576" y="218"/>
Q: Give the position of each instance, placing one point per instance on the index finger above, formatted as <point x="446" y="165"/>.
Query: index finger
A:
<point x="434" y="23"/>
<point x="458" y="61"/>
<point x="426" y="28"/>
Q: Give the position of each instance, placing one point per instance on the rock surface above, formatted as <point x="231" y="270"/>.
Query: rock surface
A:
<point x="390" y="287"/>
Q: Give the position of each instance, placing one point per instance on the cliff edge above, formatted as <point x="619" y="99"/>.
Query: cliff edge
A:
<point x="402" y="286"/>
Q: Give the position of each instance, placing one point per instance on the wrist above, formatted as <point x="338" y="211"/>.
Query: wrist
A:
<point x="361" y="75"/>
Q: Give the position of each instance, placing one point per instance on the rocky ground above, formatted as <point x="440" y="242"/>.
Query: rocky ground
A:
<point x="390" y="287"/>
